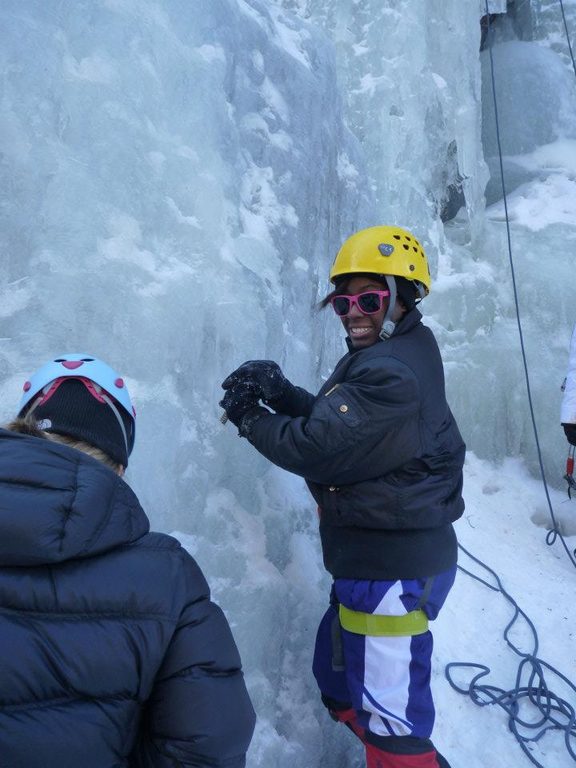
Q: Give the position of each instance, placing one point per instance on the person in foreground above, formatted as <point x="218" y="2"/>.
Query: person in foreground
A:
<point x="383" y="457"/>
<point x="568" y="408"/>
<point x="112" y="653"/>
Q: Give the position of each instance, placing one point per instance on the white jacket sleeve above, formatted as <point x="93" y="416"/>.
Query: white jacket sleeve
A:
<point x="568" y="409"/>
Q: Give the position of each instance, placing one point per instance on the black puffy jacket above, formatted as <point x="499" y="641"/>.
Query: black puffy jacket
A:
<point x="382" y="456"/>
<point x="111" y="652"/>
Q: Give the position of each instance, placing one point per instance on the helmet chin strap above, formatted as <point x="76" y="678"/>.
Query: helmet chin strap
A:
<point x="388" y="324"/>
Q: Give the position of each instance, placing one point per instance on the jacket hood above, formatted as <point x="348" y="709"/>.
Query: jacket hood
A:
<point x="58" y="504"/>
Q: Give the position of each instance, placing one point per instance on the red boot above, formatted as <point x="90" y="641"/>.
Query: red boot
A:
<point x="378" y="758"/>
<point x="402" y="752"/>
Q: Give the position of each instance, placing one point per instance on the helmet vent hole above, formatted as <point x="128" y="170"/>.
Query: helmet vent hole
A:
<point x="396" y="237"/>
<point x="412" y="267"/>
<point x="406" y="247"/>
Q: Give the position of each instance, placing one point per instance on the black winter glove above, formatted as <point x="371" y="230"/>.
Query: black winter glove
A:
<point x="570" y="432"/>
<point x="266" y="378"/>
<point x="239" y="400"/>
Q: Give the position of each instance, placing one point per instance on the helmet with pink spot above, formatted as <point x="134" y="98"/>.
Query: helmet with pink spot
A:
<point x="101" y="381"/>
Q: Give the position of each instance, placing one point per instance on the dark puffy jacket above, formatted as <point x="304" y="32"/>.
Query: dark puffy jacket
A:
<point x="111" y="652"/>
<point x="382" y="456"/>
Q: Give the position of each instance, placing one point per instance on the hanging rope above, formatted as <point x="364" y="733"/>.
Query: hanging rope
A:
<point x="567" y="35"/>
<point x="531" y="690"/>
<point x="555" y="533"/>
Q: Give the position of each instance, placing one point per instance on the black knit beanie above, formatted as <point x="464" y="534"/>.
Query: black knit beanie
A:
<point x="72" y="410"/>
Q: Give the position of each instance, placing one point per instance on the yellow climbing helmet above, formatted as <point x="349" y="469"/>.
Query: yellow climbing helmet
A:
<point x="384" y="251"/>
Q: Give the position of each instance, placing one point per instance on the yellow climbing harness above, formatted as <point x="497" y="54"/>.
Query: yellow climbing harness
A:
<point x="372" y="624"/>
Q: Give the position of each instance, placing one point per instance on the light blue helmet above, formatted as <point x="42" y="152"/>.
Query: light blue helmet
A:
<point x="102" y="381"/>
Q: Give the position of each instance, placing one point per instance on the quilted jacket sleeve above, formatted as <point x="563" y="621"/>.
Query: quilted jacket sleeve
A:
<point x="568" y="411"/>
<point x="199" y="713"/>
<point x="365" y="426"/>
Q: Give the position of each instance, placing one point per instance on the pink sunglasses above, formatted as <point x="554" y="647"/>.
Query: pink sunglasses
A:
<point x="368" y="302"/>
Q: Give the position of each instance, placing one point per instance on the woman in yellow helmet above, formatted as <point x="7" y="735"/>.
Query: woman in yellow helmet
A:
<point x="382" y="456"/>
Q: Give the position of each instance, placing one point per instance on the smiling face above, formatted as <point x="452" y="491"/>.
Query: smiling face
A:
<point x="364" y="330"/>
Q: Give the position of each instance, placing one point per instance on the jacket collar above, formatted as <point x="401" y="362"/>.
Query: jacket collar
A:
<point x="405" y="324"/>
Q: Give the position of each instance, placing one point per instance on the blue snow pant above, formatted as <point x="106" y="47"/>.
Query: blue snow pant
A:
<point x="385" y="680"/>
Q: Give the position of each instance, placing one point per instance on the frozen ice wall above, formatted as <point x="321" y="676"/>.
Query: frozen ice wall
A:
<point x="175" y="179"/>
<point x="419" y="95"/>
<point x="535" y="89"/>
<point x="409" y="75"/>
